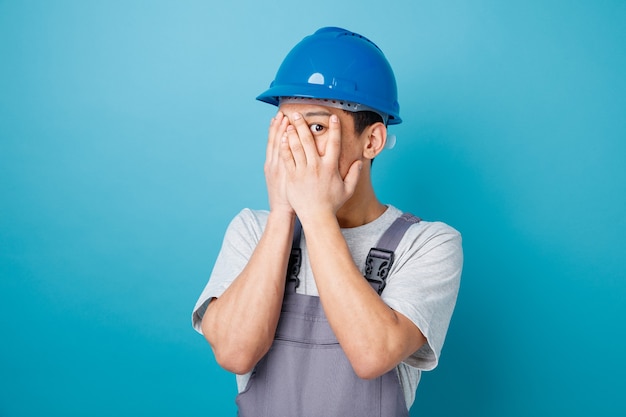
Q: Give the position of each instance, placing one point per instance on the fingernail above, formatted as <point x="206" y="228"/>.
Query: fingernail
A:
<point x="333" y="118"/>
<point x="296" y="116"/>
<point x="290" y="128"/>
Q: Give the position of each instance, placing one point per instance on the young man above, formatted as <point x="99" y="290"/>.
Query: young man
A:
<point x="331" y="303"/>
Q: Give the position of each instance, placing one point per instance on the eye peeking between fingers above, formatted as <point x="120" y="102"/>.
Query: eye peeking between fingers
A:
<point x="317" y="129"/>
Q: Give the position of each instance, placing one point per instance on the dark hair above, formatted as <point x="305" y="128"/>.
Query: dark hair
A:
<point x="363" y="119"/>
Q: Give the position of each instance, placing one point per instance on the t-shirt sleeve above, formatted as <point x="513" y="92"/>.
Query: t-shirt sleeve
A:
<point x="423" y="285"/>
<point x="240" y="240"/>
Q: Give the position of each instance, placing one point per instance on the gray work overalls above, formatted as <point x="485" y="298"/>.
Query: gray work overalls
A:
<point x="306" y="373"/>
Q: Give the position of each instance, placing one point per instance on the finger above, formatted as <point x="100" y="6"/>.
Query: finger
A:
<point x="306" y="138"/>
<point x="269" y="150"/>
<point x="352" y="177"/>
<point x="333" y="145"/>
<point x="280" y="131"/>
<point x="295" y="145"/>
<point x="273" y="129"/>
<point x="276" y="130"/>
<point x="286" y="155"/>
<point x="274" y="123"/>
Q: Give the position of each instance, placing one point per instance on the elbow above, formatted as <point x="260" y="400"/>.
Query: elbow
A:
<point x="231" y="354"/>
<point x="367" y="373"/>
<point x="374" y="360"/>
<point x="370" y="366"/>
<point x="233" y="361"/>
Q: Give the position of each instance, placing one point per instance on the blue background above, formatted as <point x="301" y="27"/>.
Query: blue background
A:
<point x="129" y="137"/>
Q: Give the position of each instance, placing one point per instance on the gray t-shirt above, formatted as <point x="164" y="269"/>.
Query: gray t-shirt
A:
<point x="422" y="285"/>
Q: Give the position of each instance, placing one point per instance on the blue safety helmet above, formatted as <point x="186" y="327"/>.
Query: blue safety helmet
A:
<point x="336" y="64"/>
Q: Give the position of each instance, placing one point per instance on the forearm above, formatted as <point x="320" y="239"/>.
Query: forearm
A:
<point x="374" y="337"/>
<point x="240" y="324"/>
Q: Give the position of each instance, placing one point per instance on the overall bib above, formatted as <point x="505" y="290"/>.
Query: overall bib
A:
<point x="306" y="373"/>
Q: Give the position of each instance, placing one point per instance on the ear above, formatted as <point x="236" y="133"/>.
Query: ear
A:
<point x="375" y="139"/>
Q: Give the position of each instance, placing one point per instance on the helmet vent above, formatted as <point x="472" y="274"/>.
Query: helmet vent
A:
<point x="356" y="35"/>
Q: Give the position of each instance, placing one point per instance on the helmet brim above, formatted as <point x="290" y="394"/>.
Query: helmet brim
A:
<point x="273" y="94"/>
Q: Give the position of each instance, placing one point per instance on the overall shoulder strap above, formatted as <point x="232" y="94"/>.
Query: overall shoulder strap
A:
<point x="295" y="259"/>
<point x="381" y="257"/>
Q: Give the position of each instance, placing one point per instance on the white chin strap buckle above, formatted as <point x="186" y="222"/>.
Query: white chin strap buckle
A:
<point x="391" y="141"/>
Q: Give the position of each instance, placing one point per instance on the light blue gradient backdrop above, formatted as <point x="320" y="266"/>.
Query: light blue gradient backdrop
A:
<point x="129" y="137"/>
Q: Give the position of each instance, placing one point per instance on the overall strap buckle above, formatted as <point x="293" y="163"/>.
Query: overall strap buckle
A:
<point x="293" y="268"/>
<point x="377" y="267"/>
<point x="378" y="262"/>
<point x="295" y="259"/>
<point x="380" y="259"/>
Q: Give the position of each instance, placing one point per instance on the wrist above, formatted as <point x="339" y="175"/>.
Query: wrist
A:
<point x="318" y="220"/>
<point x="282" y="215"/>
